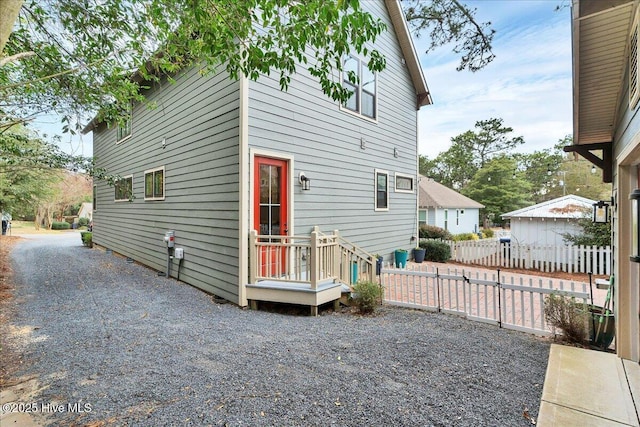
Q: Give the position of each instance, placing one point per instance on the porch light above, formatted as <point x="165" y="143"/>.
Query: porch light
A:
<point x="635" y="227"/>
<point x="305" y="183"/>
<point x="601" y="212"/>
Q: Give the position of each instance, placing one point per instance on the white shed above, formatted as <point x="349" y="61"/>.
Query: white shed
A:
<point x="544" y="223"/>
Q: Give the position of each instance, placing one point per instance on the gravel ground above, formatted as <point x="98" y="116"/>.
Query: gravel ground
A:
<point x="138" y="349"/>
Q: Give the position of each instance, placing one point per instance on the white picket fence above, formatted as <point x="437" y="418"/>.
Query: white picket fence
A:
<point x="509" y="301"/>
<point x="548" y="258"/>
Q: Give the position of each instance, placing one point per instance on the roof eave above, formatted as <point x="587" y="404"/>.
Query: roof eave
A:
<point x="423" y="96"/>
<point x="594" y="102"/>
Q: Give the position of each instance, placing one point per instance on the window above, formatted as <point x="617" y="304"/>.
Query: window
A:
<point x="124" y="189"/>
<point x="382" y="190"/>
<point x="154" y="184"/>
<point x="404" y="183"/>
<point x="422" y="217"/>
<point x="357" y="77"/>
<point x="634" y="89"/>
<point x="95" y="202"/>
<point x="124" y="129"/>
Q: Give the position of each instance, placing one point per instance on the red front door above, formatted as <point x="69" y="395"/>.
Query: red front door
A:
<point x="270" y="210"/>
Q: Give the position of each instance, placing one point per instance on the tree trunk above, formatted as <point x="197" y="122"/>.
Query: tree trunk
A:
<point x="9" y="10"/>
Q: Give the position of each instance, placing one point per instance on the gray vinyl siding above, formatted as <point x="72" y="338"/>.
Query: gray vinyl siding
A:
<point x="325" y="143"/>
<point x="628" y="124"/>
<point x="198" y="119"/>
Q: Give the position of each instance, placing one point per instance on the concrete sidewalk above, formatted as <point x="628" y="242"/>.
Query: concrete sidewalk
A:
<point x="589" y="388"/>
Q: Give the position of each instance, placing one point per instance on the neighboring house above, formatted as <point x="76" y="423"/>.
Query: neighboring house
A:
<point x="607" y="133"/>
<point x="86" y="211"/>
<point x="445" y="208"/>
<point x="544" y="223"/>
<point x="219" y="158"/>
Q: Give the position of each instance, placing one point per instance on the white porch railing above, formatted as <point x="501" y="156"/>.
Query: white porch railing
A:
<point x="308" y="259"/>
<point x="508" y="301"/>
<point x="548" y="258"/>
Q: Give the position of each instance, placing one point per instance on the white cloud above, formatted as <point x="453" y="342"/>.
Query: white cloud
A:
<point x="528" y="85"/>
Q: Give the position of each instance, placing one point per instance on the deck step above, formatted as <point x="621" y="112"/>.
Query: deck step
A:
<point x="294" y="293"/>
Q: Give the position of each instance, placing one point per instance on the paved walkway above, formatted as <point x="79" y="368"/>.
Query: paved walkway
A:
<point x="589" y="388"/>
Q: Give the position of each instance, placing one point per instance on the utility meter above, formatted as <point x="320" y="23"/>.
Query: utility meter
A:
<point x="170" y="238"/>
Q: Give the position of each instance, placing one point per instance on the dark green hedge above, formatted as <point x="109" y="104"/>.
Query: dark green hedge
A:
<point x="436" y="251"/>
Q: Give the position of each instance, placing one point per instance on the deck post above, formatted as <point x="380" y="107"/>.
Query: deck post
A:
<point x="336" y="249"/>
<point x="313" y="273"/>
<point x="253" y="255"/>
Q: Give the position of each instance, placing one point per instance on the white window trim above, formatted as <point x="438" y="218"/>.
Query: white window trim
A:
<point x="375" y="103"/>
<point x="401" y="190"/>
<point x="375" y="190"/>
<point x="164" y="183"/>
<point x="127" y="199"/>
<point x="634" y="95"/>
<point x="126" y="137"/>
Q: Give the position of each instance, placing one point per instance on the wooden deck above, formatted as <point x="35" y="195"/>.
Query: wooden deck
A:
<point x="305" y="270"/>
<point x="295" y="293"/>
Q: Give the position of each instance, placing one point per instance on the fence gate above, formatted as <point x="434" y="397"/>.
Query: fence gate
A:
<point x="509" y="301"/>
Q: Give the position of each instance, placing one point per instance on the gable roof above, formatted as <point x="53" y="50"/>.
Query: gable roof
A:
<point x="570" y="206"/>
<point x="409" y="52"/>
<point x="432" y="194"/>
<point x="423" y="96"/>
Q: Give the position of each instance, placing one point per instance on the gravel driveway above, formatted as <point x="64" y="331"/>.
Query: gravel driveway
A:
<point x="131" y="348"/>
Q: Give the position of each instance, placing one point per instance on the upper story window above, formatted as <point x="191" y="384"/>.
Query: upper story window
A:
<point x="154" y="184"/>
<point x="124" y="128"/>
<point x="382" y="190"/>
<point x="357" y="77"/>
<point x="124" y="189"/>
<point x="634" y="84"/>
<point x="404" y="183"/>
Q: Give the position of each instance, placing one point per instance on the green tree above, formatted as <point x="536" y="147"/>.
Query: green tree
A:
<point x="73" y="58"/>
<point x="554" y="173"/>
<point x="591" y="234"/>
<point x="536" y="168"/>
<point x="453" y="168"/>
<point x="26" y="173"/>
<point x="470" y="151"/>
<point x="75" y="54"/>
<point x="500" y="187"/>
<point x="451" y="22"/>
<point x="70" y="57"/>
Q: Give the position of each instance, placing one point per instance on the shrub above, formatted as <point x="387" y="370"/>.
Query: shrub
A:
<point x="60" y="225"/>
<point x="433" y="232"/>
<point x="366" y="295"/>
<point x="488" y="233"/>
<point x="87" y="238"/>
<point x="83" y="222"/>
<point x="436" y="251"/>
<point x="465" y="236"/>
<point x="569" y="316"/>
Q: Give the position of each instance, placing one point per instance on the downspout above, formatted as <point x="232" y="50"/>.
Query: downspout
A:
<point x="243" y="188"/>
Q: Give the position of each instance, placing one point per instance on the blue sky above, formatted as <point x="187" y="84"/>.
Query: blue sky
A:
<point x="528" y="85"/>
